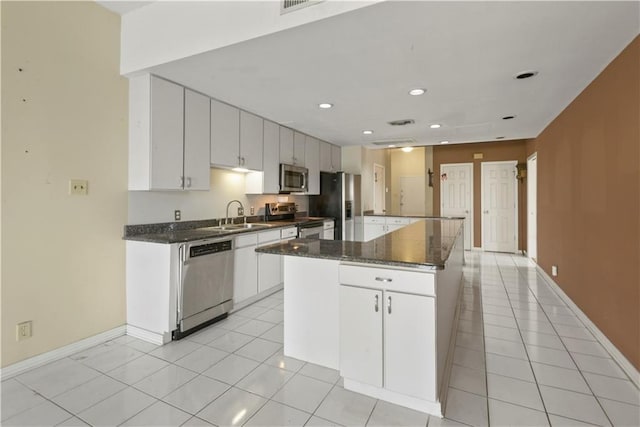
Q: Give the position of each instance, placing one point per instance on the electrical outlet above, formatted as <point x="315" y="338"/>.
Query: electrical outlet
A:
<point x="24" y="330"/>
<point x="554" y="270"/>
<point x="240" y="211"/>
<point x="252" y="210"/>
<point x="177" y="215"/>
<point x="78" y="187"/>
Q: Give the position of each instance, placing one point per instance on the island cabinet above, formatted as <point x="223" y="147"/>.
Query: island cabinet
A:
<point x="236" y="137"/>
<point x="168" y="136"/>
<point x="387" y="336"/>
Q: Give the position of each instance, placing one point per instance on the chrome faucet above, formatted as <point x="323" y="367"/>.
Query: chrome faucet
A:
<point x="240" y="211"/>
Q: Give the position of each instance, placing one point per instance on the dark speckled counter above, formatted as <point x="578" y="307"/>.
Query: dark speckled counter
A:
<point x="423" y="244"/>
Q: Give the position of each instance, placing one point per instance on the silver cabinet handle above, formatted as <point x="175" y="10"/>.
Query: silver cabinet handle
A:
<point x="188" y="181"/>
<point x="384" y="279"/>
<point x="243" y="161"/>
<point x="181" y="181"/>
<point x="376" y="306"/>
<point x="389" y="304"/>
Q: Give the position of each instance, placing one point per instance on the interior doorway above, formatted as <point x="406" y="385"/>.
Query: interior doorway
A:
<point x="499" y="202"/>
<point x="412" y="195"/>
<point x="379" y="189"/>
<point x="532" y="206"/>
<point x="456" y="195"/>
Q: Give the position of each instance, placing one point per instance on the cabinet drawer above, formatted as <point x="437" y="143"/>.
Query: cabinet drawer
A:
<point x="269" y="236"/>
<point x="388" y="279"/>
<point x="328" y="224"/>
<point x="398" y="220"/>
<point x="289" y="232"/>
<point x="374" y="220"/>
<point x="249" y="239"/>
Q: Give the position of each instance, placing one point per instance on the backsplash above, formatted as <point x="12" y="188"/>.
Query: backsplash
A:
<point x="158" y="206"/>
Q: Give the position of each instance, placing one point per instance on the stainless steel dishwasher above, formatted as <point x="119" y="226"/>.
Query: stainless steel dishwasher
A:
<point x="205" y="294"/>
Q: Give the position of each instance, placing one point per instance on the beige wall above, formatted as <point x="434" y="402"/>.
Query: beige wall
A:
<point x="63" y="116"/>
<point x="159" y="206"/>
<point x="403" y="164"/>
<point x="369" y="158"/>
<point x="589" y="201"/>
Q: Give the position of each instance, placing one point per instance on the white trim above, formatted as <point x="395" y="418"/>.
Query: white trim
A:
<point x="530" y="183"/>
<point x="148" y="336"/>
<point x="384" y="188"/>
<point x="471" y="210"/>
<point x="57" y="354"/>
<point x="627" y="367"/>
<point x="515" y="199"/>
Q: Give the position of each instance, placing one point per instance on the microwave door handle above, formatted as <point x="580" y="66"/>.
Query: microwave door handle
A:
<point x="304" y="181"/>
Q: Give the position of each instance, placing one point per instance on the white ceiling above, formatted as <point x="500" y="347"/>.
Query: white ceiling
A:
<point x="464" y="53"/>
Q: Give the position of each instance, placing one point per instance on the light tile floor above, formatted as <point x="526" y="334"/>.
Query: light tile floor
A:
<point x="521" y="358"/>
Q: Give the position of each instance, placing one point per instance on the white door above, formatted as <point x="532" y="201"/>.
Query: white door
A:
<point x="361" y="335"/>
<point x="378" y="189"/>
<point x="456" y="195"/>
<point x="532" y="207"/>
<point x="499" y="206"/>
<point x="412" y="195"/>
<point x="408" y="324"/>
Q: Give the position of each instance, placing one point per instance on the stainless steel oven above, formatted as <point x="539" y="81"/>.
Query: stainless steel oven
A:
<point x="293" y="179"/>
<point x="206" y="284"/>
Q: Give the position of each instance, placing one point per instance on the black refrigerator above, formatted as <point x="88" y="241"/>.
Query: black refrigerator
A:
<point x="339" y="198"/>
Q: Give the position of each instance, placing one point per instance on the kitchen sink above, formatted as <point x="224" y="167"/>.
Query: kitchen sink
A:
<point x="237" y="227"/>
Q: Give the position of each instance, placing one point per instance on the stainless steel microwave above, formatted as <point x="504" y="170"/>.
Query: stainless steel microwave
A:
<point x="293" y="179"/>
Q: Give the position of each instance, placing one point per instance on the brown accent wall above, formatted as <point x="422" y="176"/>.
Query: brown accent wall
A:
<point x="492" y="152"/>
<point x="589" y="201"/>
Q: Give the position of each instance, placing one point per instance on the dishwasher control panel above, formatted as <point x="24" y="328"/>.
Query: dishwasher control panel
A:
<point x="210" y="248"/>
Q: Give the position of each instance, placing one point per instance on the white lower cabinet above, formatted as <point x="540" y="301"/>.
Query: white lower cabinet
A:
<point x="269" y="265"/>
<point x="388" y="338"/>
<point x="376" y="226"/>
<point x="245" y="268"/>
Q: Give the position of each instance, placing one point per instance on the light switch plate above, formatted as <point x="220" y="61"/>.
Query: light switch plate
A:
<point x="78" y="187"/>
<point x="24" y="330"/>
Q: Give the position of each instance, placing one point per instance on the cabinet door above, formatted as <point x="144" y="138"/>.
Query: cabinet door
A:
<point x="410" y="345"/>
<point x="167" y="142"/>
<point x="251" y="145"/>
<point x="325" y="156"/>
<point x="299" y="141"/>
<point x="225" y="134"/>
<point x="271" y="158"/>
<point x="336" y="158"/>
<point x="196" y="141"/>
<point x="269" y="271"/>
<point x="372" y="231"/>
<point x="245" y="273"/>
<point x="361" y="334"/>
<point x="312" y="162"/>
<point x="286" y="145"/>
<point x="328" y="234"/>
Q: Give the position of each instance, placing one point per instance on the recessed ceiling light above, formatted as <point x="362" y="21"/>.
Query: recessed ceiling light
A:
<point x="525" y="75"/>
<point x="417" y="91"/>
<point x="367" y="132"/>
<point x="325" y="105"/>
<point x="407" y="149"/>
<point x="392" y="146"/>
<point x="435" y="126"/>
<point x="444" y="142"/>
<point x="508" y="117"/>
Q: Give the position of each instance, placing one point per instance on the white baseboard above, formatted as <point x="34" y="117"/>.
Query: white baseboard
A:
<point x="59" y="353"/>
<point x="624" y="363"/>
<point x="148" y="336"/>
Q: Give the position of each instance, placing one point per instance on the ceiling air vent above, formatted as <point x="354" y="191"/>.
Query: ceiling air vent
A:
<point x="402" y="122"/>
<point x="287" y="6"/>
<point x="397" y="141"/>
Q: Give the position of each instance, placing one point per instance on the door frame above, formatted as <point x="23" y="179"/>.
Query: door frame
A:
<point x="530" y="195"/>
<point x="515" y="201"/>
<point x="384" y="188"/>
<point x="471" y="210"/>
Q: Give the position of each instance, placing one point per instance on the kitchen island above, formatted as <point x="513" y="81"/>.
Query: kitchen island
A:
<point x="381" y="312"/>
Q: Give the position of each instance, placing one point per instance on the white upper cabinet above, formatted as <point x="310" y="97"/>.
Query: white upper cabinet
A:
<point x="299" y="141"/>
<point x="286" y="145"/>
<point x="251" y="141"/>
<point x="196" y="141"/>
<point x="336" y="158"/>
<point x="312" y="162"/>
<point x="268" y="181"/>
<point x="325" y="156"/>
<point x="168" y="136"/>
<point x="225" y="134"/>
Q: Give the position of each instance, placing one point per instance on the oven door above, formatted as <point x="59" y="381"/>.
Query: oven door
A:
<point x="312" y="232"/>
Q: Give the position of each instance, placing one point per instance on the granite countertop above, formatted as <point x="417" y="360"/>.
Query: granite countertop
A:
<point x="423" y="244"/>
<point x="187" y="231"/>
<point x="399" y="215"/>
